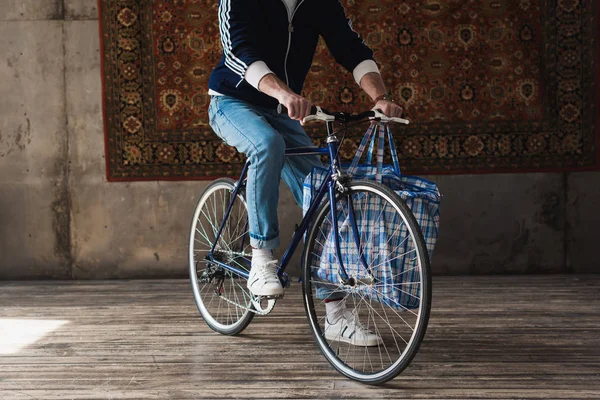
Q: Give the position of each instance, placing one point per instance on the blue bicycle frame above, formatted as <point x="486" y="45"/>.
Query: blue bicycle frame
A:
<point x="328" y="186"/>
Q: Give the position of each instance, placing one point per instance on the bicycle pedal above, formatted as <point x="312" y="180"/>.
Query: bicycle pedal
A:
<point x="274" y="297"/>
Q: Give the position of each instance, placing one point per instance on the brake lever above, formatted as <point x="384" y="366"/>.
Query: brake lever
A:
<point x="318" y="116"/>
<point x="379" y="116"/>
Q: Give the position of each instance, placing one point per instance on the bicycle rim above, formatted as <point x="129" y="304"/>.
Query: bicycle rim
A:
<point x="395" y="307"/>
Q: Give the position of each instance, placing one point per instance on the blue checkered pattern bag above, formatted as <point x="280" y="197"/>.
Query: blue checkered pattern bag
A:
<point x="395" y="272"/>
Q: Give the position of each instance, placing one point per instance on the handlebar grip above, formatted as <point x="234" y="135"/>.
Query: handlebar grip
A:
<point x="281" y="109"/>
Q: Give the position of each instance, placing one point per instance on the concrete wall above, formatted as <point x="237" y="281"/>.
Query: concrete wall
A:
<point x="59" y="218"/>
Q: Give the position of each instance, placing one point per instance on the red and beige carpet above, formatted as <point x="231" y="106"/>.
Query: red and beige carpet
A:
<point x="490" y="85"/>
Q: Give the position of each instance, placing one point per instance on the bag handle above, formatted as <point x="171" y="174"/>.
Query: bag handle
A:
<point x="393" y="151"/>
<point x="361" y="148"/>
<point x="380" y="148"/>
<point x="376" y="130"/>
<point x="369" y="160"/>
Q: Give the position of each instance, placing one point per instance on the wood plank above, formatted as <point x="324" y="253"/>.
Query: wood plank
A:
<point x="530" y="337"/>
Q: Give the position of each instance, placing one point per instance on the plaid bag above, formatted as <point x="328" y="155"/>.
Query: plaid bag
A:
<point x="396" y="273"/>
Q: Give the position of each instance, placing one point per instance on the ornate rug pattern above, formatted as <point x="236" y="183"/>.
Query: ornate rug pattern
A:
<point x="491" y="85"/>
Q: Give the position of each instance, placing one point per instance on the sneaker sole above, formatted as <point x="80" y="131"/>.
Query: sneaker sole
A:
<point x="266" y="295"/>
<point x="339" y="338"/>
<point x="271" y="297"/>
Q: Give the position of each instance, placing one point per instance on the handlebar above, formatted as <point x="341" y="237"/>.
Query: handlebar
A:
<point x="320" y="114"/>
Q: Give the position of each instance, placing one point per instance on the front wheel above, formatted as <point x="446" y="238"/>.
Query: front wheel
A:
<point x="388" y="298"/>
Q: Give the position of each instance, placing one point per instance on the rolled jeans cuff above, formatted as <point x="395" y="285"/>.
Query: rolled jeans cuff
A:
<point x="262" y="242"/>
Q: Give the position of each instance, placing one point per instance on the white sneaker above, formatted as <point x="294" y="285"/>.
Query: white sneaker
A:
<point x="263" y="280"/>
<point x="348" y="329"/>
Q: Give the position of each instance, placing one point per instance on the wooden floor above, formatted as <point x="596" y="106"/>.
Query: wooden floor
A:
<point x="527" y="337"/>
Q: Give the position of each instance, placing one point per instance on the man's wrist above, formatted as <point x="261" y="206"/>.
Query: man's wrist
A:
<point x="274" y="87"/>
<point x="384" y="96"/>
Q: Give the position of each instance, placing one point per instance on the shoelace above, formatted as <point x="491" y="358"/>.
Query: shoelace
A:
<point x="268" y="271"/>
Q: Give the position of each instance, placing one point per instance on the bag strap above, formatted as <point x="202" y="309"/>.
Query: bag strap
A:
<point x="393" y="151"/>
<point x="361" y="148"/>
<point x="370" y="152"/>
<point x="378" y="131"/>
<point x="380" y="149"/>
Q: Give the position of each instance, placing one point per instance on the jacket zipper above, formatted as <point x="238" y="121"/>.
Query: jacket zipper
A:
<point x="290" y="30"/>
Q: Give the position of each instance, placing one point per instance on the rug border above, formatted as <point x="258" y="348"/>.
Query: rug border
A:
<point x="104" y="117"/>
<point x="597" y="86"/>
<point x="408" y="172"/>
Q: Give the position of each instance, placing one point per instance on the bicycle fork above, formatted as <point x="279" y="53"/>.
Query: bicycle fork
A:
<point x="336" y="183"/>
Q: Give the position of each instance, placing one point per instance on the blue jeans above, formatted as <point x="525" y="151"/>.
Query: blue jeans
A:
<point x="263" y="135"/>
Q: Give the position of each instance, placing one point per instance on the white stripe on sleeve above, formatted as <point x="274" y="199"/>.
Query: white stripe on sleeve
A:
<point x="231" y="61"/>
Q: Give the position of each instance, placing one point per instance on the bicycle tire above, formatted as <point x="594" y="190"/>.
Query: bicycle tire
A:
<point x="212" y="285"/>
<point x="316" y="247"/>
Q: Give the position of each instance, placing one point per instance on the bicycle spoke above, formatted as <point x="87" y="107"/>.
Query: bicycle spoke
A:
<point x="389" y="325"/>
<point x="396" y="303"/>
<point x="395" y="258"/>
<point x="391" y="330"/>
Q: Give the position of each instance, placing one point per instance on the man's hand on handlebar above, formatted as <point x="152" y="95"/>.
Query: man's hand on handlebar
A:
<point x="389" y="108"/>
<point x="297" y="106"/>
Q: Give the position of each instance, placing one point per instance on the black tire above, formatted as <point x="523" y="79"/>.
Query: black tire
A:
<point x="357" y="362"/>
<point x="211" y="284"/>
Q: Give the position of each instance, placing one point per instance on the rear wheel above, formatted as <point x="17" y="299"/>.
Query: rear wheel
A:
<point x="392" y="301"/>
<point x="221" y="295"/>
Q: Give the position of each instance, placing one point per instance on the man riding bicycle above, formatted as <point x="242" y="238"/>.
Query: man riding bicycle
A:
<point x="268" y="47"/>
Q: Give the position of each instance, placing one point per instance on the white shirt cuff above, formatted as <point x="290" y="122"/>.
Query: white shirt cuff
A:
<point x="255" y="72"/>
<point x="362" y="69"/>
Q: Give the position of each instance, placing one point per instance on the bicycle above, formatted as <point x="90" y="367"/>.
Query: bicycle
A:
<point x="220" y="259"/>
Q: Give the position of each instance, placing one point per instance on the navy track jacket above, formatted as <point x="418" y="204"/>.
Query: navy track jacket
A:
<point x="261" y="30"/>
